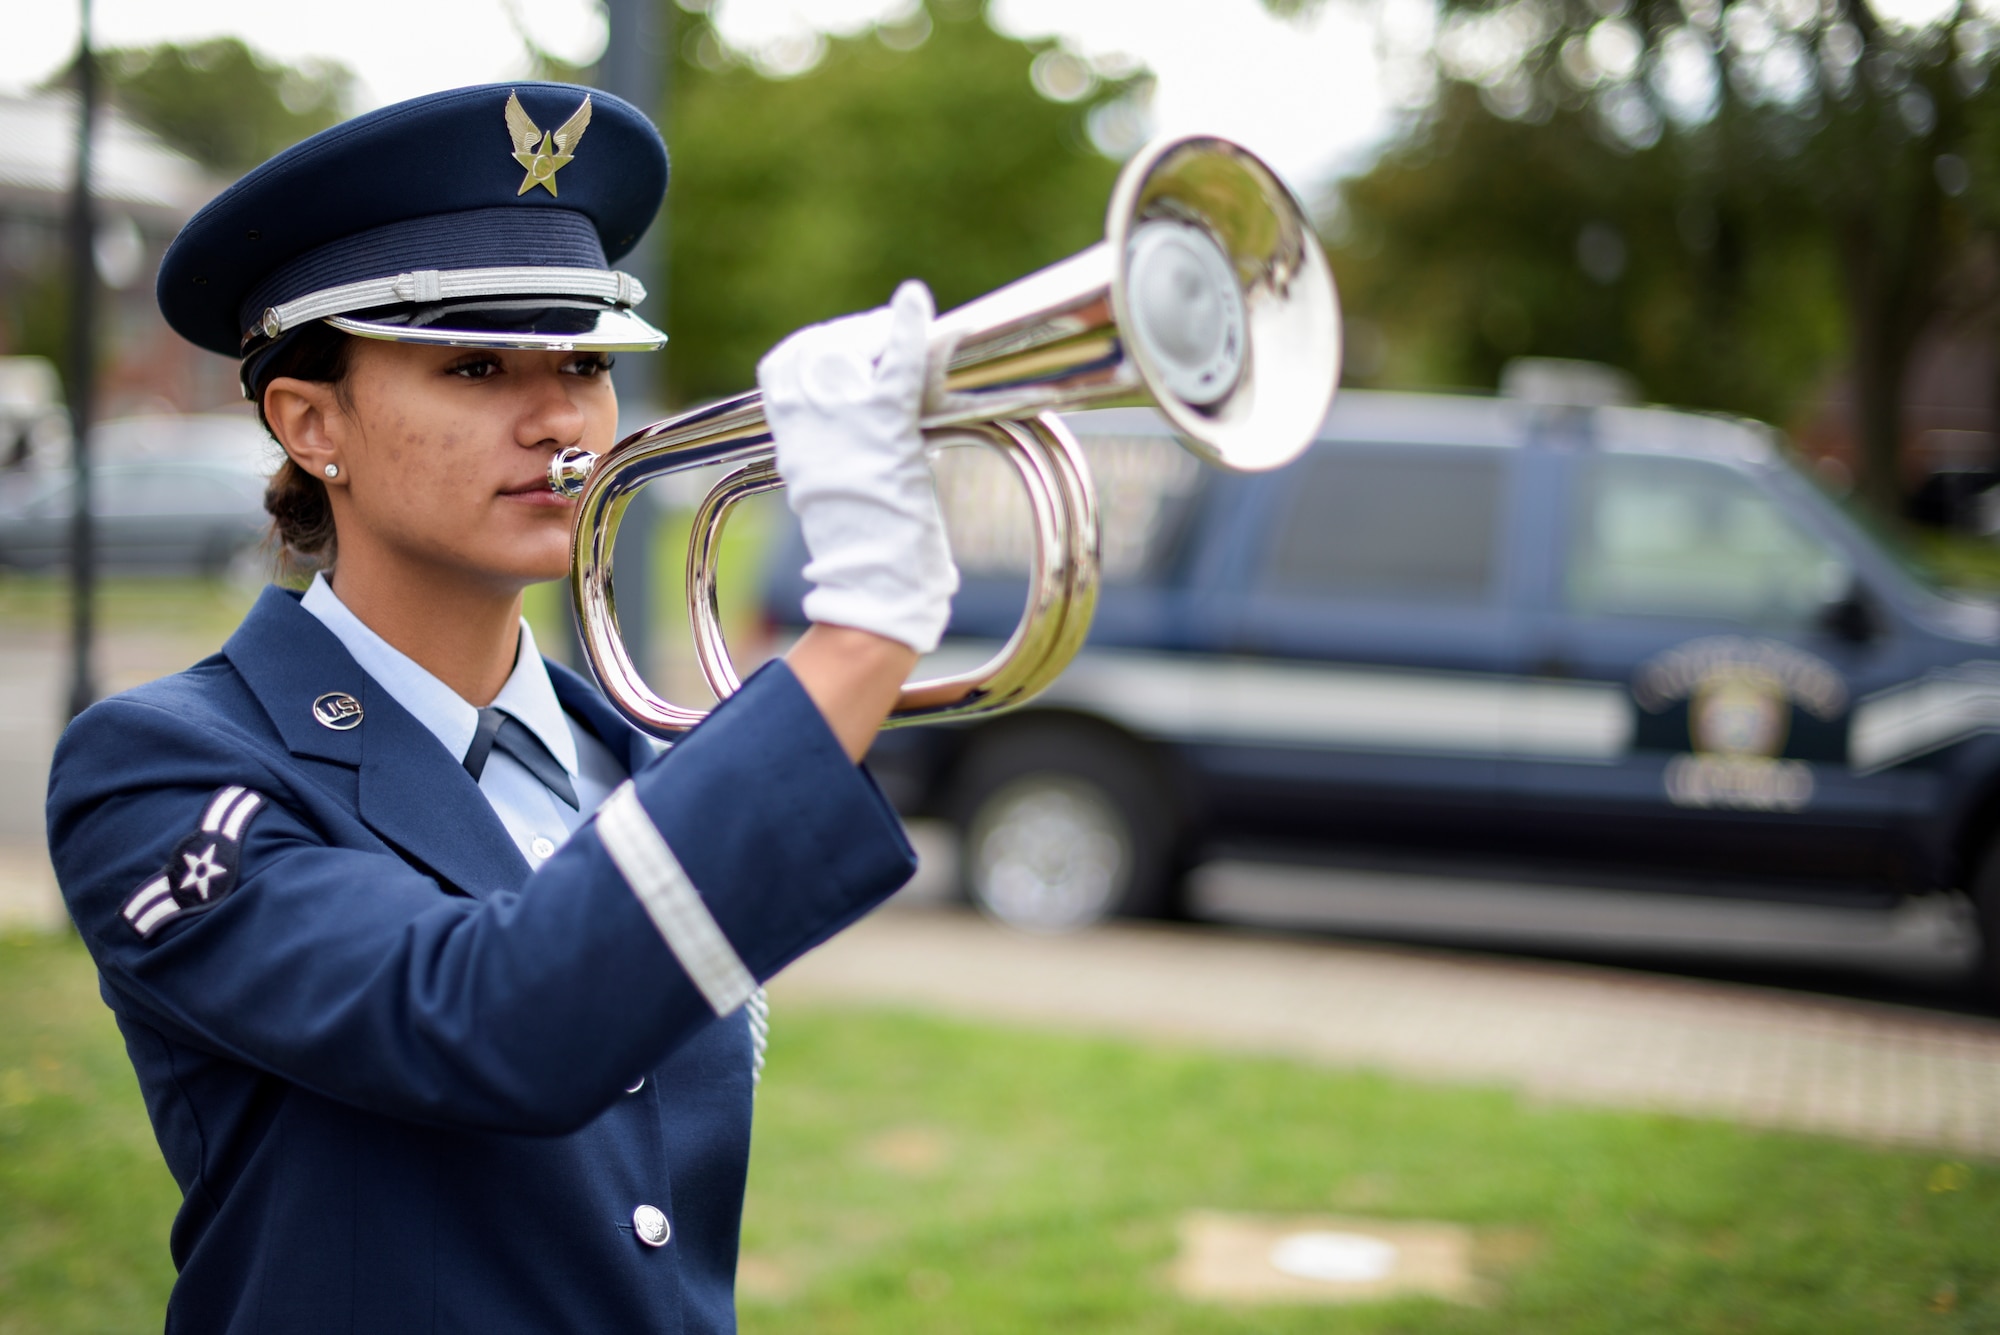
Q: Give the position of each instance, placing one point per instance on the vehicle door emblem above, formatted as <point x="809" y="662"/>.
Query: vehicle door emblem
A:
<point x="1739" y="693"/>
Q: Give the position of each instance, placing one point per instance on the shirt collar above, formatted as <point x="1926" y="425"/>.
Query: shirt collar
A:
<point x="528" y="695"/>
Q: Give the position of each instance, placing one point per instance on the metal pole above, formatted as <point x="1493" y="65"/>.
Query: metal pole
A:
<point x="82" y="372"/>
<point x="632" y="67"/>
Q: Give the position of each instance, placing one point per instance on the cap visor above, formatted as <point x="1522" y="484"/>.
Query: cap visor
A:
<point x="547" y="327"/>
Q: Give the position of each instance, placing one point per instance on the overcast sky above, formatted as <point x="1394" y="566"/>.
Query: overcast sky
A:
<point x="1306" y="94"/>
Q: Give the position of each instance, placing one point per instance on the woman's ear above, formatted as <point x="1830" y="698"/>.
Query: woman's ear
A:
<point x="307" y="418"/>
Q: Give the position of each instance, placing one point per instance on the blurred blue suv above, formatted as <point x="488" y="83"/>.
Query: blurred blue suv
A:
<point x="1618" y="637"/>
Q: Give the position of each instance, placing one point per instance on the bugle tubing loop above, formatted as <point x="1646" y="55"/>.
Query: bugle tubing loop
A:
<point x="1209" y="298"/>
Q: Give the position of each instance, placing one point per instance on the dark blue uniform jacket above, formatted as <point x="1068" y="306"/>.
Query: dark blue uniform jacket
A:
<point x="389" y="1066"/>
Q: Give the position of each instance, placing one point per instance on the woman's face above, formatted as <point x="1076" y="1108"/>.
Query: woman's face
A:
<point x="445" y="454"/>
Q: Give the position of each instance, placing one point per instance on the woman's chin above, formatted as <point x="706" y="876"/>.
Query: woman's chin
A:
<point x="546" y="569"/>
<point x="536" y="533"/>
<point x="529" y="561"/>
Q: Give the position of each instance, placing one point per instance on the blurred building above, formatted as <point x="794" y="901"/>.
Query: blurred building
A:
<point x="1950" y="447"/>
<point x="145" y="191"/>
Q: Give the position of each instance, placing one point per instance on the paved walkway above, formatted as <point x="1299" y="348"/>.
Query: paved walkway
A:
<point x="28" y="895"/>
<point x="1769" y="1058"/>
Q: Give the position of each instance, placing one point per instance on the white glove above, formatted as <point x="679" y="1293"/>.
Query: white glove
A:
<point x="842" y="399"/>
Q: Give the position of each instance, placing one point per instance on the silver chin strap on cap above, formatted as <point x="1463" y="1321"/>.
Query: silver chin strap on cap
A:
<point x="505" y="305"/>
<point x="429" y="285"/>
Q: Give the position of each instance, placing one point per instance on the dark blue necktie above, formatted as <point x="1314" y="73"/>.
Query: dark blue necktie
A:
<point x="498" y="728"/>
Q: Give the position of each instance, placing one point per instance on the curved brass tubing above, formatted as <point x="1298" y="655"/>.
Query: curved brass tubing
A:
<point x="1209" y="299"/>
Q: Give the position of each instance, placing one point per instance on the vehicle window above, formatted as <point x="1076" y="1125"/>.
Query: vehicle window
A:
<point x="141" y="490"/>
<point x="1408" y="523"/>
<point x="127" y="491"/>
<point x="1143" y="485"/>
<point x="51" y="501"/>
<point x="1677" y="537"/>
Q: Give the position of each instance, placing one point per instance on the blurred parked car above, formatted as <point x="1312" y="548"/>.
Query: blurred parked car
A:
<point x="1618" y="636"/>
<point x="233" y="439"/>
<point x="160" y="516"/>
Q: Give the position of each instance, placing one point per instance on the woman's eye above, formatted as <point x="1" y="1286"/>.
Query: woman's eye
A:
<point x="590" y="364"/>
<point x="476" y="368"/>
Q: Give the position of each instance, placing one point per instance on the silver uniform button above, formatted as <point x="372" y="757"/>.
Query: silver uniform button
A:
<point x="636" y="1085"/>
<point x="541" y="846"/>
<point x="651" y="1226"/>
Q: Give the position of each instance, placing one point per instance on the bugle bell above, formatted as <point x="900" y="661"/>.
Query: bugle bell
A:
<point x="1209" y="298"/>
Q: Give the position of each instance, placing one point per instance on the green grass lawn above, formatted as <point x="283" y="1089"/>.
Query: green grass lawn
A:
<point x="201" y="608"/>
<point x="914" y="1174"/>
<point x="84" y="1198"/>
<point x="1959" y="560"/>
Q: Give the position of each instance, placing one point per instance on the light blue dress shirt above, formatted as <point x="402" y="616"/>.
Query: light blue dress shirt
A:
<point x="538" y="820"/>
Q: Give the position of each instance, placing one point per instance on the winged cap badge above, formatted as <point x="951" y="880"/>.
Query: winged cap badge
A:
<point x="543" y="153"/>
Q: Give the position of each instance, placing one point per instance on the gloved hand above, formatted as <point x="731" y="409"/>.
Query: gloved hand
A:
<point x="842" y="399"/>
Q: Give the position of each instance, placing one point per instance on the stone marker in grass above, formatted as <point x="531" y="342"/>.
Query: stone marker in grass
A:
<point x="1240" y="1258"/>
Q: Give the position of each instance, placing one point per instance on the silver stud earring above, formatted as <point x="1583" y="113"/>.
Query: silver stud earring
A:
<point x="332" y="470"/>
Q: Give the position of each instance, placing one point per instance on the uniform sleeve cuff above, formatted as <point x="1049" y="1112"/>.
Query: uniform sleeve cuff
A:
<point x="779" y="839"/>
<point x="670" y="900"/>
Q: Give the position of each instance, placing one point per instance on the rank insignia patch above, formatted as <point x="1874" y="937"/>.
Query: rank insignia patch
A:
<point x="201" y="869"/>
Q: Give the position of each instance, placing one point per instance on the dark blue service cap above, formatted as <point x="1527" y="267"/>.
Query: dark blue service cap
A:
<point x="485" y="216"/>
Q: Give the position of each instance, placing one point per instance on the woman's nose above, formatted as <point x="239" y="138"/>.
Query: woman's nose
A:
<point x="552" y="416"/>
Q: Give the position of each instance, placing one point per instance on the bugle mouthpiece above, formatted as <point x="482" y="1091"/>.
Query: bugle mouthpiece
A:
<point x="569" y="470"/>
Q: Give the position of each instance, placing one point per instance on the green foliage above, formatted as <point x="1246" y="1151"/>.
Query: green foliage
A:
<point x="34" y="314"/>
<point x="793" y="201"/>
<point x="1461" y="250"/>
<point x="796" y="200"/>
<point x="223" y="104"/>
<point x="913" y="1174"/>
<point x="1795" y="185"/>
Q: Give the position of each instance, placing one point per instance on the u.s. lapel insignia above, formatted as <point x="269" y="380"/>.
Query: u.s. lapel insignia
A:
<point x="337" y="710"/>
<point x="543" y="153"/>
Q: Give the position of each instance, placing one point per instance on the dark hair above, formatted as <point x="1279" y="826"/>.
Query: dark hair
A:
<point x="301" y="516"/>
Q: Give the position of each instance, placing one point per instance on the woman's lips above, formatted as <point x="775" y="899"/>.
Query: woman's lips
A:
<point x="537" y="493"/>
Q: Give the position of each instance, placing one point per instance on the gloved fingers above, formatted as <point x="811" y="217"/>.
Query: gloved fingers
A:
<point x="913" y="309"/>
<point x="843" y="400"/>
<point x="906" y="353"/>
<point x="906" y="365"/>
<point x="831" y="364"/>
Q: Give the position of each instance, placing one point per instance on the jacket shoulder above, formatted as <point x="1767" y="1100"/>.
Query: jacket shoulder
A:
<point x="192" y="726"/>
<point x="210" y="697"/>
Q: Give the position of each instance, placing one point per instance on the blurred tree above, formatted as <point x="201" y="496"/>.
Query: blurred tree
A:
<point x="223" y="104"/>
<point x="1483" y="238"/>
<point x="920" y="150"/>
<point x="1733" y="183"/>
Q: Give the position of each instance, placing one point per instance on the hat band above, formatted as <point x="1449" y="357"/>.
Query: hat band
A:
<point x="426" y="285"/>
